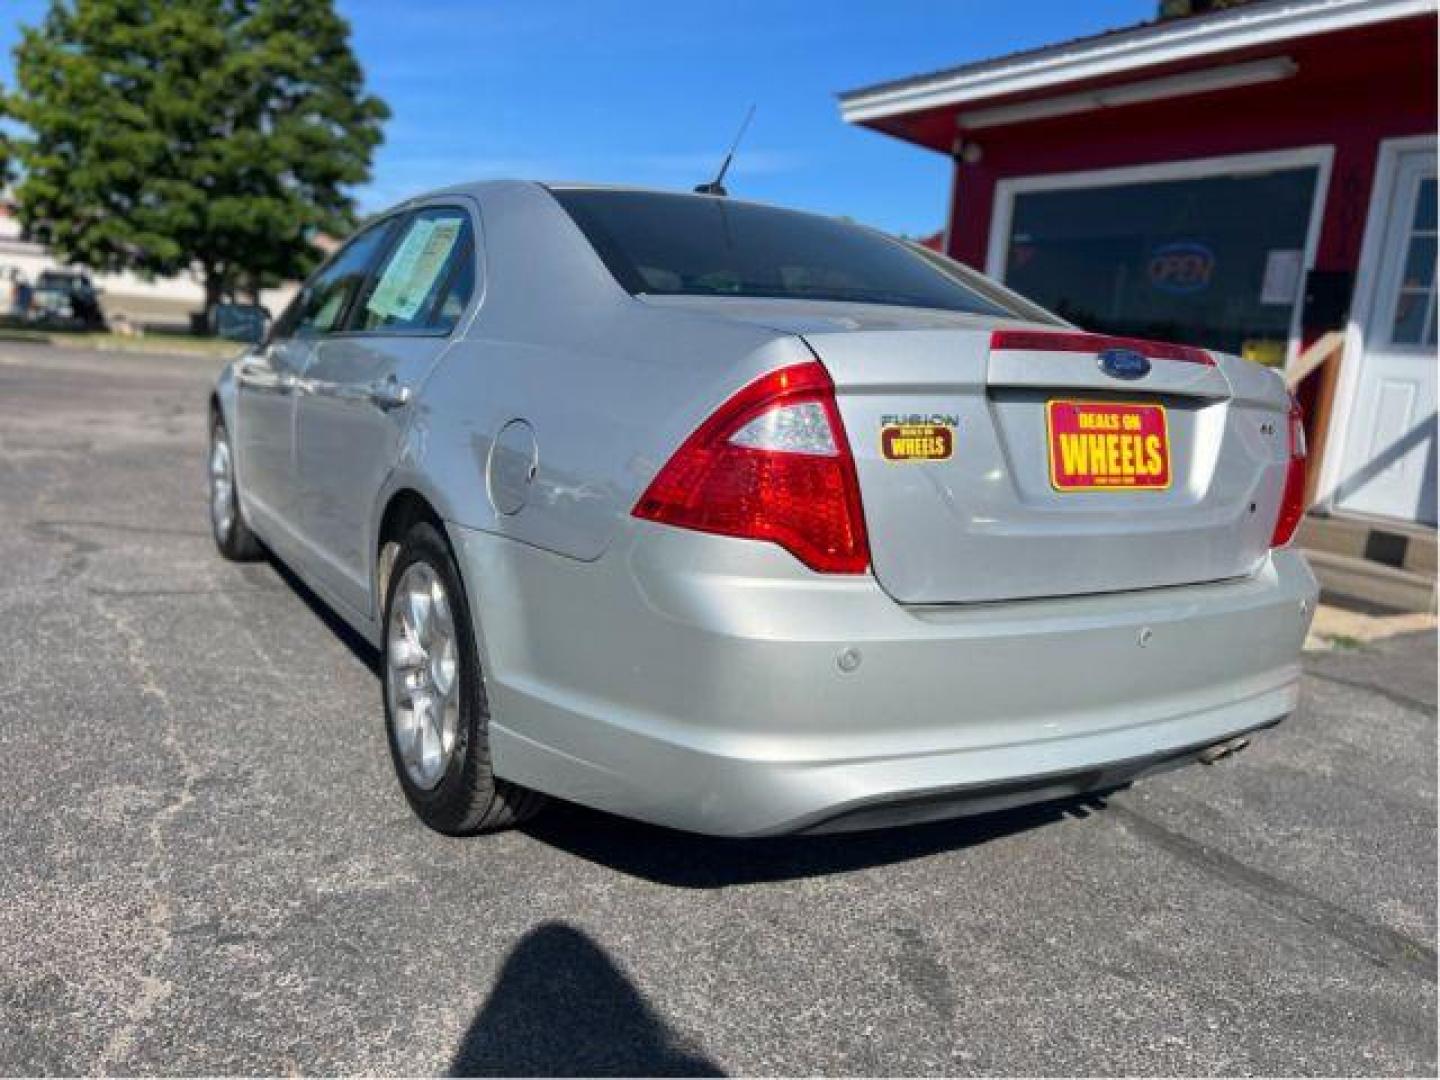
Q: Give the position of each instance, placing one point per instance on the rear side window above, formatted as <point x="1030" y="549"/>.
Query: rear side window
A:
<point x="326" y="297"/>
<point x="426" y="280"/>
<point x="688" y="245"/>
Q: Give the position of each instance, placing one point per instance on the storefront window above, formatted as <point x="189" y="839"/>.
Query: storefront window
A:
<point x="1216" y="261"/>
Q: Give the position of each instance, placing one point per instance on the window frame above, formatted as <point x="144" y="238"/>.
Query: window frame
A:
<point x="1318" y="157"/>
<point x="293" y="333"/>
<point x="1391" y="283"/>
<point x="348" y="327"/>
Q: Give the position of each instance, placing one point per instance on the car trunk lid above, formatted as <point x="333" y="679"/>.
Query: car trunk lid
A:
<point x="1007" y="463"/>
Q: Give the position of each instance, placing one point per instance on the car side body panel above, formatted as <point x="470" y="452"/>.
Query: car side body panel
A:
<point x="606" y="385"/>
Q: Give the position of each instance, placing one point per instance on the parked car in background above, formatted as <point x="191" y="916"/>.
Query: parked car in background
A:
<point x="67" y="298"/>
<point x="749" y="521"/>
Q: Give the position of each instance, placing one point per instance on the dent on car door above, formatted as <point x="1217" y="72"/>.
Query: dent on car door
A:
<point x="360" y="384"/>
<point x="274" y="379"/>
<point x="266" y="381"/>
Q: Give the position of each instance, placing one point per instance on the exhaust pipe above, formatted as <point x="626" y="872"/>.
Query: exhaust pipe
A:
<point x="1212" y="754"/>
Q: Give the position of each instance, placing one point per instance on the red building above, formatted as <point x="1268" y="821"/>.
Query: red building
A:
<point x="1248" y="178"/>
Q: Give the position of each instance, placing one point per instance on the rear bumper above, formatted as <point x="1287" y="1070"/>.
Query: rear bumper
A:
<point x="712" y="685"/>
<point x="990" y="796"/>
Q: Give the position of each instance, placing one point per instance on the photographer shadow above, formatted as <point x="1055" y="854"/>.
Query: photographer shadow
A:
<point x="561" y="1007"/>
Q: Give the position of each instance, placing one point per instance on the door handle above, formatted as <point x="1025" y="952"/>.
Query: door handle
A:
<point x="389" y="393"/>
<point x="257" y="371"/>
<point x="248" y="370"/>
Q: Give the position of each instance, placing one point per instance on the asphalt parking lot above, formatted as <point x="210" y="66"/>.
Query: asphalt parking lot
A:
<point x="209" y="868"/>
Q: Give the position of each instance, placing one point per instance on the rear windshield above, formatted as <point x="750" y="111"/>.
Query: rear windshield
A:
<point x="687" y="245"/>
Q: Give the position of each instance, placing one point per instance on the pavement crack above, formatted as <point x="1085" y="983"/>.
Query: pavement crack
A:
<point x="78" y="548"/>
<point x="249" y="631"/>
<point x="153" y="989"/>
<point x="76" y="558"/>
<point x="116" y="526"/>
<point x="1382" y="945"/>
<point x="128" y="594"/>
<point x="1405" y="701"/>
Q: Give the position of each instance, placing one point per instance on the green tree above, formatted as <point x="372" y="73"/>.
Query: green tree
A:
<point x="7" y="149"/>
<point x="161" y="135"/>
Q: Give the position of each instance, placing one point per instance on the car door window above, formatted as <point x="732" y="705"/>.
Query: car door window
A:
<point x="322" y="303"/>
<point x="426" y="280"/>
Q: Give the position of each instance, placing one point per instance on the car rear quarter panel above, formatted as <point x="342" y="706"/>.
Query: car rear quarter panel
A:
<point x="610" y="386"/>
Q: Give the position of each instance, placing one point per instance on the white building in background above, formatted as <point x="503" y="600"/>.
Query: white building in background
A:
<point x="160" y="302"/>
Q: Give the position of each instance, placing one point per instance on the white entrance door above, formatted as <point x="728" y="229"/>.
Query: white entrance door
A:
<point x="1389" y="463"/>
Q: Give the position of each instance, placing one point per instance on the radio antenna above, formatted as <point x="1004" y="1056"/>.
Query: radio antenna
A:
<point x="717" y="186"/>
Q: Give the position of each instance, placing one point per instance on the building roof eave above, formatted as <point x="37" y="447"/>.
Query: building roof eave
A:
<point x="1119" y="52"/>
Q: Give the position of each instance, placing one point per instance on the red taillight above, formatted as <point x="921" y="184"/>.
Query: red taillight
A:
<point x="1079" y="341"/>
<point x="770" y="464"/>
<point x="1292" y="502"/>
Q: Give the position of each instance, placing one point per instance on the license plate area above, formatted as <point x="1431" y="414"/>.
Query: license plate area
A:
<point x="1107" y="445"/>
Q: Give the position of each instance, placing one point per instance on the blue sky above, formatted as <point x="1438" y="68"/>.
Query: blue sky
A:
<point x="650" y="93"/>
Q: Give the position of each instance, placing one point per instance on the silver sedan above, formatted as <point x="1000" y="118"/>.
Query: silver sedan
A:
<point x="749" y="521"/>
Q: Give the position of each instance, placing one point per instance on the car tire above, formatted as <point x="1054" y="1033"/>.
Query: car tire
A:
<point x="437" y="716"/>
<point x="227" y="521"/>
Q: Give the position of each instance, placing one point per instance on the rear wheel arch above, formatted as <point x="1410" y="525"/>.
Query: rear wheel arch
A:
<point x="405" y="509"/>
<point x="465" y="796"/>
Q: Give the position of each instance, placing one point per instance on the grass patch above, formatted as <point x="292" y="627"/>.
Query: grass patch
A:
<point x="175" y="344"/>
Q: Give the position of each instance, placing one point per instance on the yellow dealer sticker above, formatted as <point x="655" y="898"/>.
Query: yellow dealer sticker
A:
<point x="916" y="438"/>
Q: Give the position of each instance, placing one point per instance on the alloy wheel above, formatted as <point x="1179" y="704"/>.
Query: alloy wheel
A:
<point x="422" y="674"/>
<point x="222" y="484"/>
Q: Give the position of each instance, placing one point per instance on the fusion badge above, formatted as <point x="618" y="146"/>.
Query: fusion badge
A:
<point x="1099" y="445"/>
<point x="918" y="438"/>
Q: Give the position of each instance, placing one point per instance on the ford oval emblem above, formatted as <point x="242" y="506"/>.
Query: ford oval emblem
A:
<point x="1124" y="364"/>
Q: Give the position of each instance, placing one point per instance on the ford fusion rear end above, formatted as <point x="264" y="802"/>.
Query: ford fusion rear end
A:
<point x="733" y="666"/>
<point x="929" y="565"/>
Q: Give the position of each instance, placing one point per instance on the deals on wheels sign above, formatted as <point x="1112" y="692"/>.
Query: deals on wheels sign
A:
<point x="1099" y="445"/>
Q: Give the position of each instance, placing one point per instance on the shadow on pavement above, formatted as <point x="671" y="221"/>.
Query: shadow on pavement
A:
<point x="560" y="1007"/>
<point x="366" y="653"/>
<point x="690" y="861"/>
